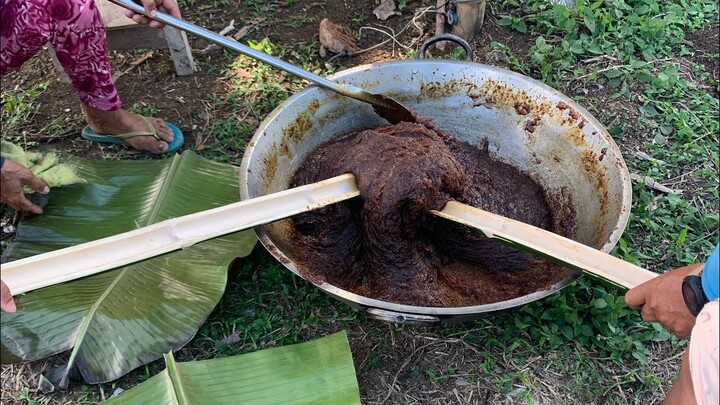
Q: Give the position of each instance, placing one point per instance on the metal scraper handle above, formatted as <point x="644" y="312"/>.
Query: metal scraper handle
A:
<point x="383" y="105"/>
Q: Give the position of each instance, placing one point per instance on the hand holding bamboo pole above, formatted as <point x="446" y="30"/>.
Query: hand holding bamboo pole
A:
<point x="115" y="251"/>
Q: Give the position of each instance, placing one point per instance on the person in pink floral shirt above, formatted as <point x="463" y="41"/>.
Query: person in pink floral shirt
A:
<point x="76" y="32"/>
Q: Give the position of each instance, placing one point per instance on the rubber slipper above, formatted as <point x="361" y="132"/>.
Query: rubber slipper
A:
<point x="120" y="139"/>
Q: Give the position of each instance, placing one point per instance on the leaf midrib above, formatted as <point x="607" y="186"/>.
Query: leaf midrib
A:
<point x="175" y="379"/>
<point x="172" y="171"/>
<point x="85" y="324"/>
<point x="82" y="332"/>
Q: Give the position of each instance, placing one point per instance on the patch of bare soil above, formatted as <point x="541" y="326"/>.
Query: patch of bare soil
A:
<point x="706" y="44"/>
<point x="152" y="85"/>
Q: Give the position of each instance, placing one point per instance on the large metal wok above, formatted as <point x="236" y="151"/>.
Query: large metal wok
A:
<point x="526" y="123"/>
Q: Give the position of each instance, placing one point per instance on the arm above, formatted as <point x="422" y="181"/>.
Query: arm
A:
<point x="12" y="178"/>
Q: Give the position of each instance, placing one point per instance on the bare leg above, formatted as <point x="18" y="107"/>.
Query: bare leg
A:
<point x="81" y="46"/>
<point x="76" y="32"/>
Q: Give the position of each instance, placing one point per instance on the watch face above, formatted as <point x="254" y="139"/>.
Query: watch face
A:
<point x="693" y="294"/>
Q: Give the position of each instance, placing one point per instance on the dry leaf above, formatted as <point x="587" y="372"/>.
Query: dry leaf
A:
<point x="232" y="339"/>
<point x="337" y="38"/>
<point x="385" y="10"/>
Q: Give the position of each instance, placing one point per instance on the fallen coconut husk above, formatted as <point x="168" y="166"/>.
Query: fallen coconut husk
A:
<point x="337" y="38"/>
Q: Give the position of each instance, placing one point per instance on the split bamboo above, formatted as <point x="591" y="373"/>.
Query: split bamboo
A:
<point x="115" y="251"/>
<point x="555" y="247"/>
<point x="177" y="233"/>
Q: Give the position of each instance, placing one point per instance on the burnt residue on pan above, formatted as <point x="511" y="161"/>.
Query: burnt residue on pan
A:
<point x="386" y="245"/>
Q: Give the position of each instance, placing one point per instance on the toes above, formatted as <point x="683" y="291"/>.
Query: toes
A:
<point x="159" y="147"/>
<point x="162" y="130"/>
<point x="148" y="143"/>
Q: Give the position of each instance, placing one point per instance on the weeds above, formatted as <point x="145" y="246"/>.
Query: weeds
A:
<point x="631" y="33"/>
<point x="638" y="42"/>
<point x="631" y="51"/>
<point x="18" y="108"/>
<point x="145" y="109"/>
<point x="274" y="309"/>
<point x="259" y="88"/>
<point x="298" y="21"/>
<point x="24" y="397"/>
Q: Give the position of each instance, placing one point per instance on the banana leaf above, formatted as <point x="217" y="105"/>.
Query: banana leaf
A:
<point x="121" y="319"/>
<point x="316" y="372"/>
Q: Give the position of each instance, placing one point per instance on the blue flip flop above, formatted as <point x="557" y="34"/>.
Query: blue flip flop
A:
<point x="120" y="139"/>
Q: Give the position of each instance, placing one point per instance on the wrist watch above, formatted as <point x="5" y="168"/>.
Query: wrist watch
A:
<point x="693" y="292"/>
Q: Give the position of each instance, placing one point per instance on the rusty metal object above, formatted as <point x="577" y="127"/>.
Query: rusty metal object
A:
<point x="524" y="122"/>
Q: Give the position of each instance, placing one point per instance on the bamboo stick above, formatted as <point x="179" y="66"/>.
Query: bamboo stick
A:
<point x="115" y="251"/>
<point x="554" y="247"/>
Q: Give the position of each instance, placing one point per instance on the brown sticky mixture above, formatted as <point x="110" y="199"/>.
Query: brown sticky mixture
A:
<point x="387" y="245"/>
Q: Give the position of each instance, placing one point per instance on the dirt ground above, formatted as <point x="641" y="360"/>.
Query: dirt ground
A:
<point x="153" y="84"/>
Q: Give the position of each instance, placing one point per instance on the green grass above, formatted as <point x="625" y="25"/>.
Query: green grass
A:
<point x="298" y="21"/>
<point x="19" y="108"/>
<point x="271" y="307"/>
<point x="143" y="108"/>
<point x="26" y="398"/>
<point x="255" y="90"/>
<point x="585" y="333"/>
<point x="636" y="46"/>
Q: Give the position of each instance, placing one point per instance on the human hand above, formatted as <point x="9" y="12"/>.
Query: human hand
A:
<point x="13" y="176"/>
<point x="661" y="300"/>
<point x="7" y="302"/>
<point x="151" y="7"/>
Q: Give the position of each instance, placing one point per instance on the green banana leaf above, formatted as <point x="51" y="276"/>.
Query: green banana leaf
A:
<point x="123" y="318"/>
<point x="316" y="372"/>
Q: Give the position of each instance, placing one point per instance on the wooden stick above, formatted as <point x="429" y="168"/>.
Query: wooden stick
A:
<point x="115" y="251"/>
<point x="554" y="247"/>
<point x="440" y="23"/>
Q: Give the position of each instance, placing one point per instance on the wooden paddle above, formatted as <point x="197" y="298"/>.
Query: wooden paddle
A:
<point x="108" y="253"/>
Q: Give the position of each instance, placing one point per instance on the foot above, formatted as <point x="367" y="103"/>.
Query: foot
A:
<point x="123" y="121"/>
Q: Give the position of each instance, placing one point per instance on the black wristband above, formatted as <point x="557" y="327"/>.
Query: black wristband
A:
<point x="2" y="161"/>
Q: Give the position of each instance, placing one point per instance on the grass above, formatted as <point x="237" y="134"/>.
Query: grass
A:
<point x="578" y="345"/>
<point x="272" y="308"/>
<point x="635" y="50"/>
<point x="588" y="324"/>
<point x="18" y="108"/>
